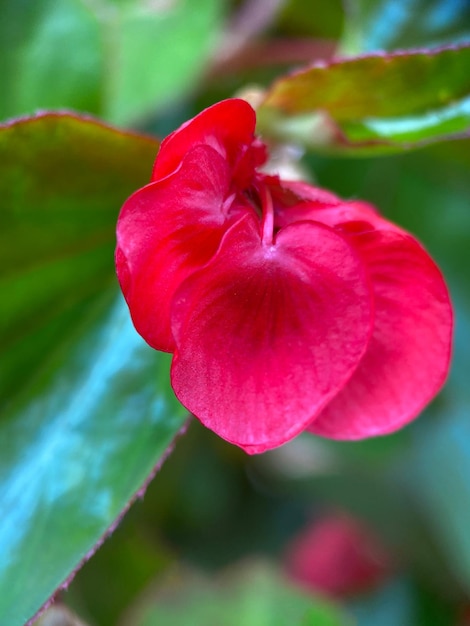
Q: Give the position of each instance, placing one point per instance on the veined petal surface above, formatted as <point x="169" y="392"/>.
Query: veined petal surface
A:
<point x="165" y="231"/>
<point x="227" y="126"/>
<point x="267" y="334"/>
<point x="286" y="307"/>
<point x="407" y="360"/>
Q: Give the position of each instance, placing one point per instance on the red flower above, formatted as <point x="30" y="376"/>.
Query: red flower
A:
<point x="285" y="307"/>
<point x="337" y="556"/>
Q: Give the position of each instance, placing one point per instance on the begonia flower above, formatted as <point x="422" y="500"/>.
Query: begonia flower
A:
<point x="285" y="308"/>
<point x="338" y="556"/>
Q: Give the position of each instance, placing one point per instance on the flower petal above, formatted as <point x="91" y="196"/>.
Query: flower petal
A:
<point x="407" y="360"/>
<point x="267" y="334"/>
<point x="289" y="193"/>
<point x="227" y="126"/>
<point x="294" y="201"/>
<point x="165" y="231"/>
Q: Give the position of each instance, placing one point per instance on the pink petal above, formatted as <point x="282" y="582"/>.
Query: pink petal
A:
<point x="288" y="193"/>
<point x="296" y="201"/>
<point x="165" y="231"/>
<point x="267" y="334"/>
<point x="227" y="126"/>
<point x="353" y="216"/>
<point x="407" y="360"/>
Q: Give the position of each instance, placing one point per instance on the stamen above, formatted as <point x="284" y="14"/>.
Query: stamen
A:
<point x="268" y="215"/>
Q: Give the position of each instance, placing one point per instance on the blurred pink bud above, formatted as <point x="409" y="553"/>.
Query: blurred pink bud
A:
<point x="337" y="556"/>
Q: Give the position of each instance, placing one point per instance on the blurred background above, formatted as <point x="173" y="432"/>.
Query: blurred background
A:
<point x="373" y="533"/>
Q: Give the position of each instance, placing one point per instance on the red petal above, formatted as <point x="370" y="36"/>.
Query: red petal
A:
<point x="408" y="357"/>
<point x="287" y="193"/>
<point x="227" y="126"/>
<point x="295" y="201"/>
<point x="167" y="230"/>
<point x="266" y="335"/>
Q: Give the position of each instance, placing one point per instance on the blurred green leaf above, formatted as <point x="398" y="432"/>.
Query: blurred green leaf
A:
<point x="312" y="18"/>
<point x="63" y="182"/>
<point x="253" y="594"/>
<point x="376" y="85"/>
<point x="403" y="132"/>
<point x="128" y="561"/>
<point x="58" y="615"/>
<point x="391" y="605"/>
<point x="373" y="104"/>
<point x="156" y="52"/>
<point x="391" y="24"/>
<point x="50" y="56"/>
<point x="438" y="469"/>
<point x="121" y="60"/>
<point x="87" y="408"/>
<point x="402" y="601"/>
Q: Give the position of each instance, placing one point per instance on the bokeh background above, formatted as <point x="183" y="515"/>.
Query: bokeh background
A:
<point x="211" y="540"/>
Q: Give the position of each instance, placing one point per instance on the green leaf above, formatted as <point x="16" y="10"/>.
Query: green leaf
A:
<point x="390" y="605"/>
<point x="373" y="103"/>
<point x="376" y="85"/>
<point x="58" y="614"/>
<point x="391" y="24"/>
<point x="402" y="601"/>
<point x="252" y="594"/>
<point x="63" y="182"/>
<point x="120" y="60"/>
<point x="87" y="410"/>
<point x="419" y="129"/>
<point x="312" y="18"/>
<point x="156" y="53"/>
<point x="50" y="56"/>
<point x="437" y="472"/>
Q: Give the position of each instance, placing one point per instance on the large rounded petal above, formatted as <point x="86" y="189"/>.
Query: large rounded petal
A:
<point x="165" y="231"/>
<point x="408" y="356"/>
<point x="227" y="126"/>
<point x="266" y="335"/>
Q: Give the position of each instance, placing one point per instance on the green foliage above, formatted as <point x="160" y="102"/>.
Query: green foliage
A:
<point x="50" y="56"/>
<point x="63" y="182"/>
<point x="388" y="24"/>
<point x="156" y="54"/>
<point x="254" y="594"/>
<point x="439" y="467"/>
<point x="120" y="60"/>
<point x="376" y="85"/>
<point x="313" y="18"/>
<point x="371" y="104"/>
<point x="87" y="408"/>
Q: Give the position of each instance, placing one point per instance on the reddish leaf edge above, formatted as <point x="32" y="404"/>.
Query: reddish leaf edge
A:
<point x="44" y="114"/>
<point x="69" y="114"/>
<point x="343" y="60"/>
<point x="138" y="495"/>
